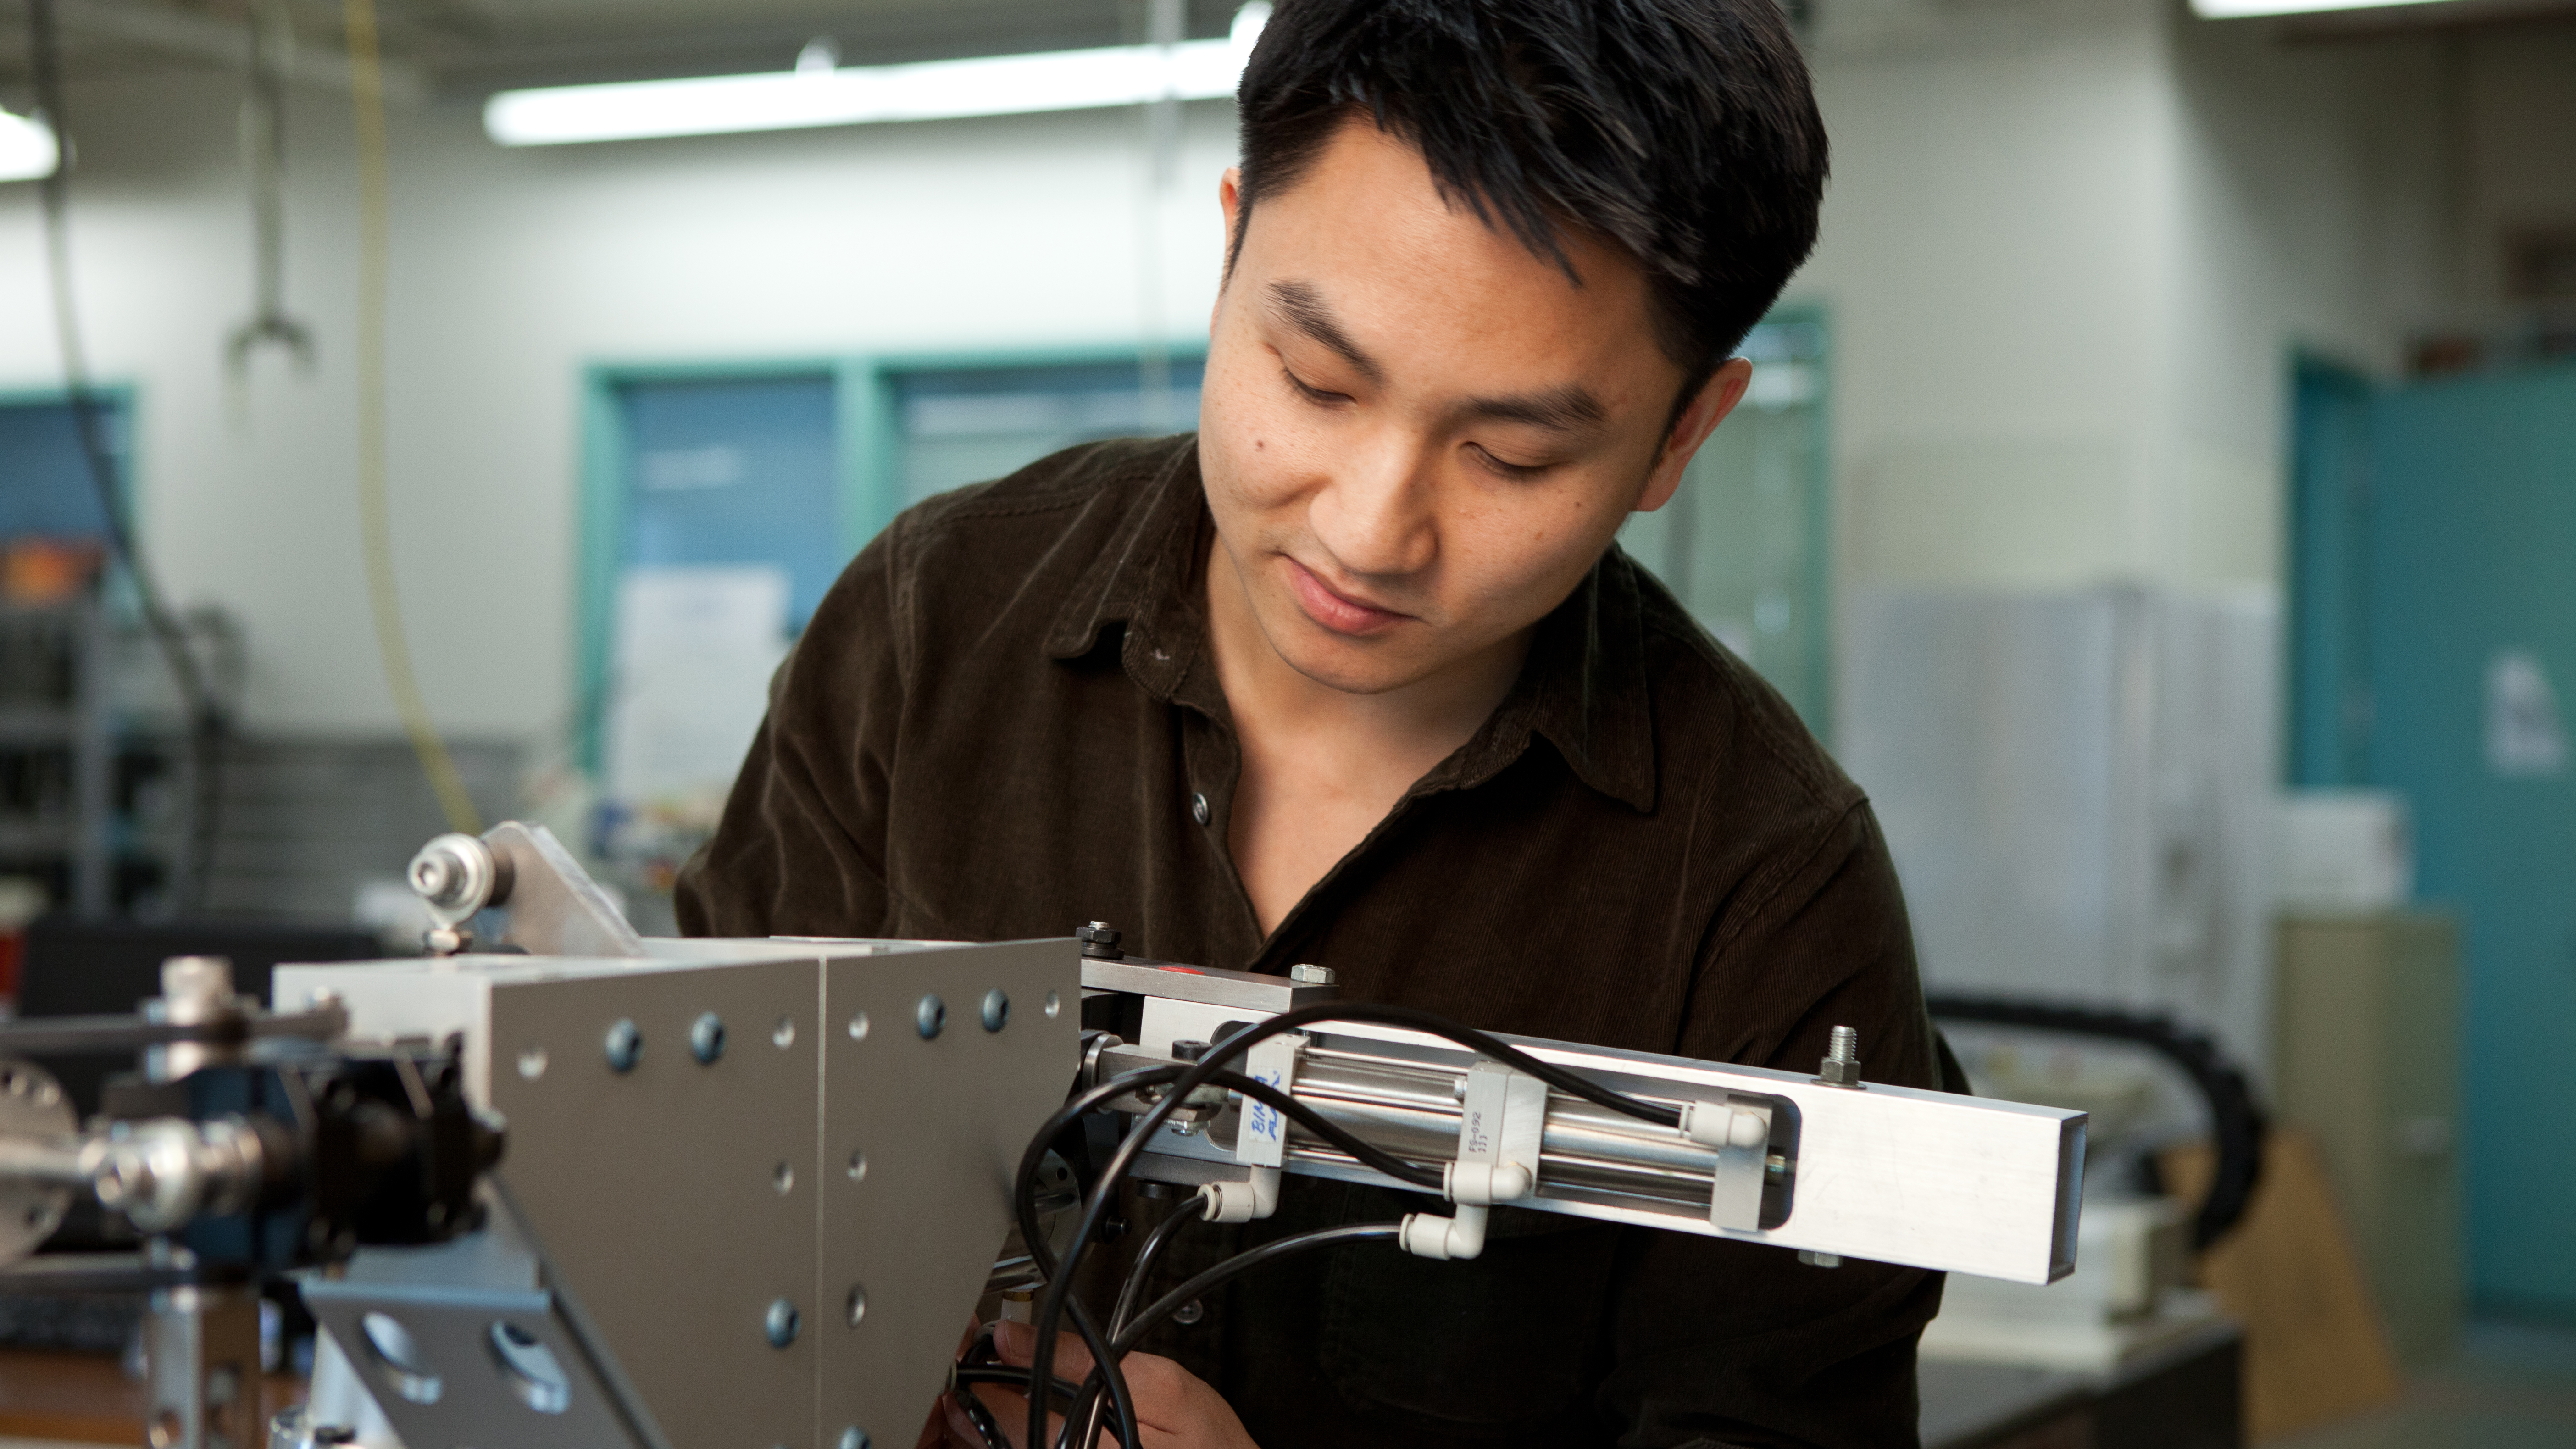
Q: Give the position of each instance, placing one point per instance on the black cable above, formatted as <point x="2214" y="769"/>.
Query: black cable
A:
<point x="206" y="724"/>
<point x="1122" y="1403"/>
<point x="1025" y="1201"/>
<point x="987" y="1428"/>
<point x="1226" y="1272"/>
<point x="1052" y="1308"/>
<point x="1011" y="1377"/>
<point x="1164" y="1231"/>
<point x="2236" y="1120"/>
<point x="1138" y="1273"/>
<point x="1242" y="1263"/>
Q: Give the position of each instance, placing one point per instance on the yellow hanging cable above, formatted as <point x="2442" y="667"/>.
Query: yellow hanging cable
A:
<point x="375" y="528"/>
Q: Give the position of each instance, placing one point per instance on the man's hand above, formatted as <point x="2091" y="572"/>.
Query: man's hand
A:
<point x="1175" y="1409"/>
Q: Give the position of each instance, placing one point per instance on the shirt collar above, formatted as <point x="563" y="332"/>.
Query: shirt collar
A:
<point x="1583" y="688"/>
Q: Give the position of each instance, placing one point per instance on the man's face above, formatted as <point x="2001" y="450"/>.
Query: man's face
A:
<point x="1416" y="434"/>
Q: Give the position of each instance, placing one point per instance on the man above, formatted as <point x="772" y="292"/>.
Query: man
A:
<point x="1355" y="676"/>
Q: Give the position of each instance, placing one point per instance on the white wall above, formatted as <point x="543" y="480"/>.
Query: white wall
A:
<point x="2068" y="248"/>
<point x="512" y="271"/>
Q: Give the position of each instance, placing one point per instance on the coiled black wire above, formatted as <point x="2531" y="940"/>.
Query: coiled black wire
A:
<point x="1053" y="1308"/>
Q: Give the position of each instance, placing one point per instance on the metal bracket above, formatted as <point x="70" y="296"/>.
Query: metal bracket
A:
<point x="1740" y="1130"/>
<point x="1262" y="1140"/>
<point x="1501" y="1122"/>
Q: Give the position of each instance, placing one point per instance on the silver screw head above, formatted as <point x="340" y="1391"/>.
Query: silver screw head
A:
<point x="929" y="1016"/>
<point x="997" y="1010"/>
<point x="854" y="1437"/>
<point x="625" y="1046"/>
<point x="1309" y="974"/>
<point x="782" y="1323"/>
<point x="1188" y="1313"/>
<point x="707" y="1038"/>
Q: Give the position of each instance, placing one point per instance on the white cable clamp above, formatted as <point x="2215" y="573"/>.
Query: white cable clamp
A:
<point x="1262" y="1140"/>
<point x="1739" y="1130"/>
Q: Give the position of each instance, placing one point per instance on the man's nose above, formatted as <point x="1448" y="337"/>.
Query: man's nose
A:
<point x="1376" y="516"/>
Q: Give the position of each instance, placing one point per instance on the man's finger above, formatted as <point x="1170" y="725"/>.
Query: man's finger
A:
<point x="1017" y="1343"/>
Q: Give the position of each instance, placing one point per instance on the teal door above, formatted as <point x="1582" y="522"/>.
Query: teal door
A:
<point x="2469" y="555"/>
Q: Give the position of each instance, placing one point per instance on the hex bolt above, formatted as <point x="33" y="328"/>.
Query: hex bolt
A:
<point x="782" y="1323"/>
<point x="997" y="1010"/>
<point x="625" y="1045"/>
<point x="1099" y="941"/>
<point x="1306" y="973"/>
<point x="929" y="1016"/>
<point x="707" y="1038"/>
<point x="1841" y="1067"/>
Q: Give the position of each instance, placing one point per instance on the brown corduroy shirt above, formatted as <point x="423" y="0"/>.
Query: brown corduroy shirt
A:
<point x="1003" y="721"/>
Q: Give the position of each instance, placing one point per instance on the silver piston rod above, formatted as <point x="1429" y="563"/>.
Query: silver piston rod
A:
<point x="1413" y="1112"/>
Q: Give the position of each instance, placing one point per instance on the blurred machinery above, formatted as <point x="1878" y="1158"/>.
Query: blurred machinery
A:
<point x="749" y="1185"/>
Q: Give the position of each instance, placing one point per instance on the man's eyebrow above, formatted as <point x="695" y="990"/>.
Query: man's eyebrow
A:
<point x="1560" y="409"/>
<point x="1298" y="305"/>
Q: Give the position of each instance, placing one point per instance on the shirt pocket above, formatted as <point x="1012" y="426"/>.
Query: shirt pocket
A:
<point x="1512" y="1336"/>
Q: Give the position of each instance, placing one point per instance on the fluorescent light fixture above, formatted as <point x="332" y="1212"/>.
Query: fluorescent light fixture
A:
<point x="27" y="149"/>
<point x="2241" y="9"/>
<point x="823" y="95"/>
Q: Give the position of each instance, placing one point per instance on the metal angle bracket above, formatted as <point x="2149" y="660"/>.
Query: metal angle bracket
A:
<point x="1262" y="1141"/>
<point x="1739" y="1129"/>
<point x="497" y="1368"/>
<point x="1502" y="1119"/>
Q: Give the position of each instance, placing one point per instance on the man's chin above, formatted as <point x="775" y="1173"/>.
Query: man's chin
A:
<point x="1353" y="669"/>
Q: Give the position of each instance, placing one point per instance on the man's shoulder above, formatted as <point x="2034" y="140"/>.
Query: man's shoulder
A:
<point x="1725" y="737"/>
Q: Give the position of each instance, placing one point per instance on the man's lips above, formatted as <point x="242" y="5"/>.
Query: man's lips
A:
<point x="1335" y="611"/>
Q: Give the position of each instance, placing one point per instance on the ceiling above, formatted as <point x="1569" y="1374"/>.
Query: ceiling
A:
<point x="472" y="46"/>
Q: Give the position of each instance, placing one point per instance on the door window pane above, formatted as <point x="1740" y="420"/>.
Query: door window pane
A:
<point x="736" y="471"/>
<point x="968" y="425"/>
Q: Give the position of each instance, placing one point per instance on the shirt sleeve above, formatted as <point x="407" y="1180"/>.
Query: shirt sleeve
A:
<point x="1733" y="1343"/>
<point x="801" y="847"/>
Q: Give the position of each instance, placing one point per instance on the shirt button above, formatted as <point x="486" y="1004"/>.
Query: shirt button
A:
<point x="1199" y="809"/>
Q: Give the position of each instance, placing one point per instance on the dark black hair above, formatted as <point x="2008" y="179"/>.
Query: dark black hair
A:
<point x="1682" y="131"/>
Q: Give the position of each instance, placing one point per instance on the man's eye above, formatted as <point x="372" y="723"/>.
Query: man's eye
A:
<point x="1312" y="394"/>
<point x="1517" y="472"/>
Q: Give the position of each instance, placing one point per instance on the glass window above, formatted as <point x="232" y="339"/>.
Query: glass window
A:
<point x="735" y="471"/>
<point x="967" y="425"/>
<point x="49" y="492"/>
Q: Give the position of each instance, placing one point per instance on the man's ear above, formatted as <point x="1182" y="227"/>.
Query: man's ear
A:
<point x="1716" y="398"/>
<point x="1229" y="200"/>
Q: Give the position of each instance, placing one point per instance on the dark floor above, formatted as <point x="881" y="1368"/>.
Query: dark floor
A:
<point x="2511" y="1387"/>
